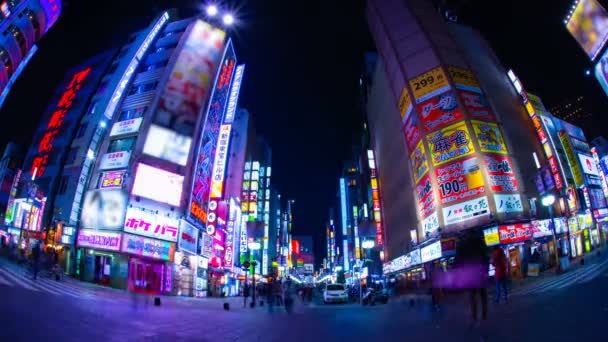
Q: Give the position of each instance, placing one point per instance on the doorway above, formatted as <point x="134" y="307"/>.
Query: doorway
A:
<point x="102" y="273"/>
<point x="145" y="276"/>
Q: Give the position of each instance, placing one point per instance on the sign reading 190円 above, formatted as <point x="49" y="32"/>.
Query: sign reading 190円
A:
<point x="430" y="82"/>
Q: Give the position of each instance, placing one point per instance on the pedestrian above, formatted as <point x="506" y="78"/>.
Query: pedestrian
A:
<point x="35" y="259"/>
<point x="473" y="263"/>
<point x="499" y="261"/>
<point x="245" y="294"/>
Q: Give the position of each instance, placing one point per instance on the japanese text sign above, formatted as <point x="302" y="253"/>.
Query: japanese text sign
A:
<point x="439" y="111"/>
<point x="459" y="180"/>
<point x="98" y="239"/>
<point x="149" y="224"/>
<point x="500" y="173"/>
<point x="489" y="137"/>
<point x="577" y="174"/>
<point x="429" y="84"/>
<point x="420" y="165"/>
<point x="146" y="247"/>
<point x="514" y="232"/>
<point x="450" y="143"/>
<point x="463" y="78"/>
<point x="477" y="106"/>
<point x="510" y="203"/>
<point x="465" y="211"/>
<point x="424" y="196"/>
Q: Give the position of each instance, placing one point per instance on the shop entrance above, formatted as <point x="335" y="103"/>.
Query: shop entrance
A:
<point x="515" y="262"/>
<point x="103" y="266"/>
<point x="145" y="276"/>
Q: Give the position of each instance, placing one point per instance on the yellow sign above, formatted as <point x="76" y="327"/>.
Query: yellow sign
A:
<point x="463" y="77"/>
<point x="428" y="82"/>
<point x="420" y="165"/>
<point x="489" y="137"/>
<point x="571" y="156"/>
<point x="529" y="108"/>
<point x="450" y="143"/>
<point x="404" y="102"/>
<point x="491" y="236"/>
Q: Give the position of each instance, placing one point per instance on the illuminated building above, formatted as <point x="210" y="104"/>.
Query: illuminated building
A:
<point x="10" y="172"/>
<point x="572" y="110"/>
<point x="23" y="23"/>
<point x="601" y="144"/>
<point x="444" y="123"/>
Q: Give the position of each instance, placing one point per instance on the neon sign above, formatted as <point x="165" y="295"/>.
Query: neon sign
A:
<point x="45" y="146"/>
<point x="234" y="93"/>
<point x="375" y="198"/>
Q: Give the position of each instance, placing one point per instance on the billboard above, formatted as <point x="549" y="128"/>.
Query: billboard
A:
<point x="115" y="160"/>
<point x="459" y="180"/>
<point x="103" y="209"/>
<point x="151" y="248"/>
<point x="200" y="195"/>
<point x="477" y="105"/>
<point x="166" y="144"/>
<point x="589" y="165"/>
<point x="577" y="174"/>
<point x="158" y="185"/>
<point x="126" y="127"/>
<point x="429" y="84"/>
<point x="430" y="252"/>
<point x="588" y="24"/>
<point x="450" y="143"/>
<point x="424" y="196"/>
<point x="420" y="165"/>
<point x="463" y="78"/>
<point x="514" y="232"/>
<point x="508" y="203"/>
<point x="219" y="165"/>
<point x="90" y="238"/>
<point x="430" y="224"/>
<point x="439" y="111"/>
<point x="146" y="223"/>
<point x="489" y="137"/>
<point x="188" y="237"/>
<point x="112" y="179"/>
<point x="411" y="131"/>
<point x="465" y="211"/>
<point x="500" y="173"/>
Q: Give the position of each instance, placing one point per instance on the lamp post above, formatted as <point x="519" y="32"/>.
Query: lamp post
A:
<point x="367" y="245"/>
<point x="253" y="246"/>
<point x="548" y="201"/>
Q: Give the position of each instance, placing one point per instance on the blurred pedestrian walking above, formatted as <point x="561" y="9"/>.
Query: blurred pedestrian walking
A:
<point x="499" y="261"/>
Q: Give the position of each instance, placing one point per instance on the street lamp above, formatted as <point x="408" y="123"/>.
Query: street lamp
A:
<point x="548" y="201"/>
<point x="211" y="10"/>
<point x="253" y="246"/>
<point x="228" y="19"/>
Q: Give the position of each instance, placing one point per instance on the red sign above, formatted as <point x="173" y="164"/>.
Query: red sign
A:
<point x="500" y="173"/>
<point x="459" y="180"/>
<point x="477" y="105"/>
<point x="555" y="171"/>
<point x="56" y="121"/>
<point x="439" y="111"/>
<point x="536" y="122"/>
<point x="295" y="246"/>
<point x="411" y="132"/>
<point x="515" y="232"/>
<point x="424" y="195"/>
<point x="448" y="245"/>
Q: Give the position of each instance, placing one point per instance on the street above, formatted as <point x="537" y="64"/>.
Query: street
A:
<point x="73" y="311"/>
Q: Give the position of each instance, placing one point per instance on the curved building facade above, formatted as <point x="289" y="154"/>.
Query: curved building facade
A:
<point x="22" y="23"/>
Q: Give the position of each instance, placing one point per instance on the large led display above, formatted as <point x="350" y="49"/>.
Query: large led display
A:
<point x="158" y="185"/>
<point x="166" y="144"/>
<point x="601" y="71"/>
<point x="588" y="24"/>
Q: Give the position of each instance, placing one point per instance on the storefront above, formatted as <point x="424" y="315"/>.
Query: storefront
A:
<point x="99" y="259"/>
<point x="515" y="239"/>
<point x="543" y="249"/>
<point x="601" y="218"/>
<point x="185" y="263"/>
<point x="150" y="268"/>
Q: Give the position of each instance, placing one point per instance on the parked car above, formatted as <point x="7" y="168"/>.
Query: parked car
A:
<point x="335" y="293"/>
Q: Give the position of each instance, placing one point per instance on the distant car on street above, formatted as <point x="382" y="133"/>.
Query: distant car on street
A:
<point x="335" y="293"/>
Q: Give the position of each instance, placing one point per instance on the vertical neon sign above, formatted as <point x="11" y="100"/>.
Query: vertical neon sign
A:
<point x="376" y="198"/>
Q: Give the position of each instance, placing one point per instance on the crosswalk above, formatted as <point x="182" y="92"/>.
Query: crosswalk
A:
<point x="579" y="276"/>
<point x="14" y="276"/>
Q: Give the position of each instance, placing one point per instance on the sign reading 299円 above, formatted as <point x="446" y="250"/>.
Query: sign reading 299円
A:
<point x="450" y="143"/>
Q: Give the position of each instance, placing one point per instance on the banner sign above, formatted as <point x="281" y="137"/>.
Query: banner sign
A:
<point x="514" y="233"/>
<point x="112" y="180"/>
<point x="450" y="143"/>
<point x="577" y="174"/>
<point x="589" y="165"/>
<point x="477" y="106"/>
<point x="439" y="111"/>
<point x="126" y="127"/>
<point x="188" y="237"/>
<point x="411" y="131"/>
<point x="405" y="103"/>
<point x="115" y="160"/>
<point x="491" y="236"/>
<point x="556" y="175"/>
<point x="561" y="226"/>
<point x="463" y="78"/>
<point x="510" y="203"/>
<point x="420" y="165"/>
<point x="500" y="173"/>
<point x="151" y="248"/>
<point x="430" y="224"/>
<point x="424" y="195"/>
<point x="541" y="228"/>
<point x="459" y="180"/>
<point x="428" y="84"/>
<point x="489" y="137"/>
<point x="465" y="211"/>
<point x="145" y="223"/>
<point x="99" y="239"/>
<point x="430" y="252"/>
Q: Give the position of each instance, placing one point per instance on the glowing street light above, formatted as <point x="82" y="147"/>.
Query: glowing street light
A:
<point x="211" y="10"/>
<point x="368" y="244"/>
<point x="254" y="245"/>
<point x="548" y="201"/>
<point x="228" y="19"/>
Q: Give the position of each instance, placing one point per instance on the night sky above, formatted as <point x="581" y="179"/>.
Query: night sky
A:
<point x="303" y="63"/>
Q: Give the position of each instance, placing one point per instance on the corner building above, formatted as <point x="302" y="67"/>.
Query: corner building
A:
<point x="447" y="128"/>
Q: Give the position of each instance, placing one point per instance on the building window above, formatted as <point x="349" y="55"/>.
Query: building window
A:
<point x="121" y="145"/>
<point x="6" y="61"/>
<point x="63" y="184"/>
<point x="18" y="35"/>
<point x="31" y="16"/>
<point x="82" y="129"/>
<point x="71" y="159"/>
<point x="132" y="113"/>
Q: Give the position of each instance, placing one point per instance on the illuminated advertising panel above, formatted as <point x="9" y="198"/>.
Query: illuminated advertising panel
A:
<point x="430" y="252"/>
<point x="430" y="225"/>
<point x="459" y="180"/>
<point x="219" y="165"/>
<point x="500" y="173"/>
<point x="489" y="137"/>
<point x="112" y="179"/>
<point x="115" y="160"/>
<point x="104" y="209"/>
<point x="510" y="203"/>
<point x="126" y="127"/>
<point x="234" y="221"/>
<point x="55" y="124"/>
<point x="343" y="205"/>
<point x="464" y="78"/>
<point x="429" y="84"/>
<point x="200" y="197"/>
<point x="150" y="248"/>
<point x="98" y="239"/>
<point x="465" y="211"/>
<point x="158" y="185"/>
<point x="188" y="237"/>
<point x="477" y="105"/>
<point x="420" y="165"/>
<point x="491" y="236"/>
<point x="411" y="131"/>
<point x="166" y="144"/>
<point x="547" y="178"/>
<point x="597" y="198"/>
<point x="560" y="225"/>
<point x="589" y="165"/>
<point x="596" y="160"/>
<point x="450" y="143"/>
<point x="515" y="233"/>
<point x="376" y="203"/>
<point x="588" y="24"/>
<point x="146" y="223"/>
<point x="439" y="111"/>
<point x="424" y="196"/>
<point x="405" y="104"/>
<point x="601" y="71"/>
<point x="577" y="174"/>
<point x="234" y="93"/>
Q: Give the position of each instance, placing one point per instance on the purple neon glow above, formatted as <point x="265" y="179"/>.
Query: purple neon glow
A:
<point x="52" y="9"/>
